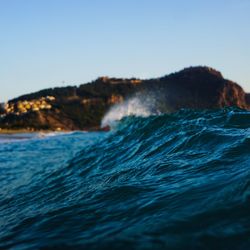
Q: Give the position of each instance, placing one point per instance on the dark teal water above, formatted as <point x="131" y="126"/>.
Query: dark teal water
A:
<point x="179" y="181"/>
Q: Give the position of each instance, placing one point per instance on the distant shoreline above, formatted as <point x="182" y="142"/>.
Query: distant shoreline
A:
<point x="84" y="107"/>
<point x="27" y="131"/>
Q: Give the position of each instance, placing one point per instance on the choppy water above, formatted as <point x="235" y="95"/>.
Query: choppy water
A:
<point x="179" y="181"/>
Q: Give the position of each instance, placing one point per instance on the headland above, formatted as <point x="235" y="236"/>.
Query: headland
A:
<point x="83" y="107"/>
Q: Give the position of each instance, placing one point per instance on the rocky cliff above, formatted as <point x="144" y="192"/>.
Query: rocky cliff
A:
<point x="79" y="108"/>
<point x="248" y="100"/>
<point x="201" y="88"/>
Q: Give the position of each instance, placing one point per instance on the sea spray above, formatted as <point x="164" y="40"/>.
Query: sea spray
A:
<point x="140" y="105"/>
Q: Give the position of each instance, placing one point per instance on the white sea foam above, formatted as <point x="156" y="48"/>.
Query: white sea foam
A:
<point x="137" y="106"/>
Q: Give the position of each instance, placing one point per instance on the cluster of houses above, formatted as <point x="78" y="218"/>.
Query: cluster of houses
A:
<point x="22" y="107"/>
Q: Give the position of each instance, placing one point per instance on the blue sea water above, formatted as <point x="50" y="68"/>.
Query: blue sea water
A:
<point x="173" y="181"/>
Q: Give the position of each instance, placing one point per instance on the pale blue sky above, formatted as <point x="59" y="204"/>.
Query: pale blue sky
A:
<point x="48" y="43"/>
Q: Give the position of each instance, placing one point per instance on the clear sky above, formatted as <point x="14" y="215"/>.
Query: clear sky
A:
<point x="48" y="43"/>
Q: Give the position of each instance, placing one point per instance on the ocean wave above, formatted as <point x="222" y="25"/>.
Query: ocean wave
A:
<point x="169" y="181"/>
<point x="140" y="105"/>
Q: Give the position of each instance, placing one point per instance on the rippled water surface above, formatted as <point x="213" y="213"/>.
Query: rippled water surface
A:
<point x="179" y="181"/>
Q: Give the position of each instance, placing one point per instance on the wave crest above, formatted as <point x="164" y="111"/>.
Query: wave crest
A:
<point x="139" y="105"/>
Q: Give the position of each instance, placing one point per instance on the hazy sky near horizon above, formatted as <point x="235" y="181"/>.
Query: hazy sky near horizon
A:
<point x="50" y="43"/>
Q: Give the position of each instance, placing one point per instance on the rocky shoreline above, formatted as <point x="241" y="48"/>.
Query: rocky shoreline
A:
<point x="82" y="108"/>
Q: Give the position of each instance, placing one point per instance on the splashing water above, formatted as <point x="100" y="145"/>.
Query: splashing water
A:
<point x="135" y="106"/>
